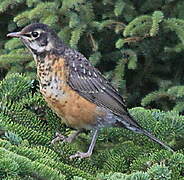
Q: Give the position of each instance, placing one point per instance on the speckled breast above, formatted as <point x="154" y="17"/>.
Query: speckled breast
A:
<point x="74" y="110"/>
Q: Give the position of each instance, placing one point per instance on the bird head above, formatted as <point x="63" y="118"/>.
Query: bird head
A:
<point x="38" y="38"/>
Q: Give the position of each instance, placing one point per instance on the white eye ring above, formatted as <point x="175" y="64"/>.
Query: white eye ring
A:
<point x="35" y="34"/>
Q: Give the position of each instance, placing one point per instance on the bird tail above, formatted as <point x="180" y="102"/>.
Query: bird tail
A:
<point x="148" y="134"/>
<point x="133" y="125"/>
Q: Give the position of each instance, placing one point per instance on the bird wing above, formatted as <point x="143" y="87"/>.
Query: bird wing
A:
<point x="89" y="83"/>
<point x="86" y="80"/>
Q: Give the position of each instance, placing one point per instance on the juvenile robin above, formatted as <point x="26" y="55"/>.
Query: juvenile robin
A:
<point x="74" y="89"/>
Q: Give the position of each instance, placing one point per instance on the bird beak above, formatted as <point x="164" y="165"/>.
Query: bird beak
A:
<point x="14" y="34"/>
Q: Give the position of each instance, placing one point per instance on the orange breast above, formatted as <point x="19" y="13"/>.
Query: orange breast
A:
<point x="75" y="110"/>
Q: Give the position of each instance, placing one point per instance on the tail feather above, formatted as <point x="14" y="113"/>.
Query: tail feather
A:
<point x="148" y="134"/>
<point x="135" y="127"/>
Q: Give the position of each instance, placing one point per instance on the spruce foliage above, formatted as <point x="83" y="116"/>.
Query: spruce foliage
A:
<point x="142" y="41"/>
<point x="27" y="127"/>
<point x="138" y="46"/>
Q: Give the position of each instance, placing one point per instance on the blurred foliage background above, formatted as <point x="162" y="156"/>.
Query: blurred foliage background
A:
<point x="138" y="46"/>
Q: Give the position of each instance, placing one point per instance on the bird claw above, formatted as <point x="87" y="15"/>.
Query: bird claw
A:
<point x="80" y="155"/>
<point x="60" y="137"/>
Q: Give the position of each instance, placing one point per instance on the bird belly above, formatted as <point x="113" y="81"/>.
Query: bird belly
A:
<point x="74" y="110"/>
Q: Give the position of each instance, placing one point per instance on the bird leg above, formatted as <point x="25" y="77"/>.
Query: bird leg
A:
<point x="69" y="139"/>
<point x="90" y="150"/>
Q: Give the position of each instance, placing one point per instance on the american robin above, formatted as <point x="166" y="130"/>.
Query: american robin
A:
<point x="74" y="89"/>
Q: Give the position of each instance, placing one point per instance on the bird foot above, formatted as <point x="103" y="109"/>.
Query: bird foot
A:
<point x="60" y="137"/>
<point x="80" y="155"/>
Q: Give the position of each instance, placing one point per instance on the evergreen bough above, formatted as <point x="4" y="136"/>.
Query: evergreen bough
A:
<point x="138" y="46"/>
<point x="27" y="127"/>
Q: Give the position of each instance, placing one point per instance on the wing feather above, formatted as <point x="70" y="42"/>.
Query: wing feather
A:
<point x="89" y="83"/>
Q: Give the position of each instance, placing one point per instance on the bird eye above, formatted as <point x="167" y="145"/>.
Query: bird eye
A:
<point x="35" y="34"/>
